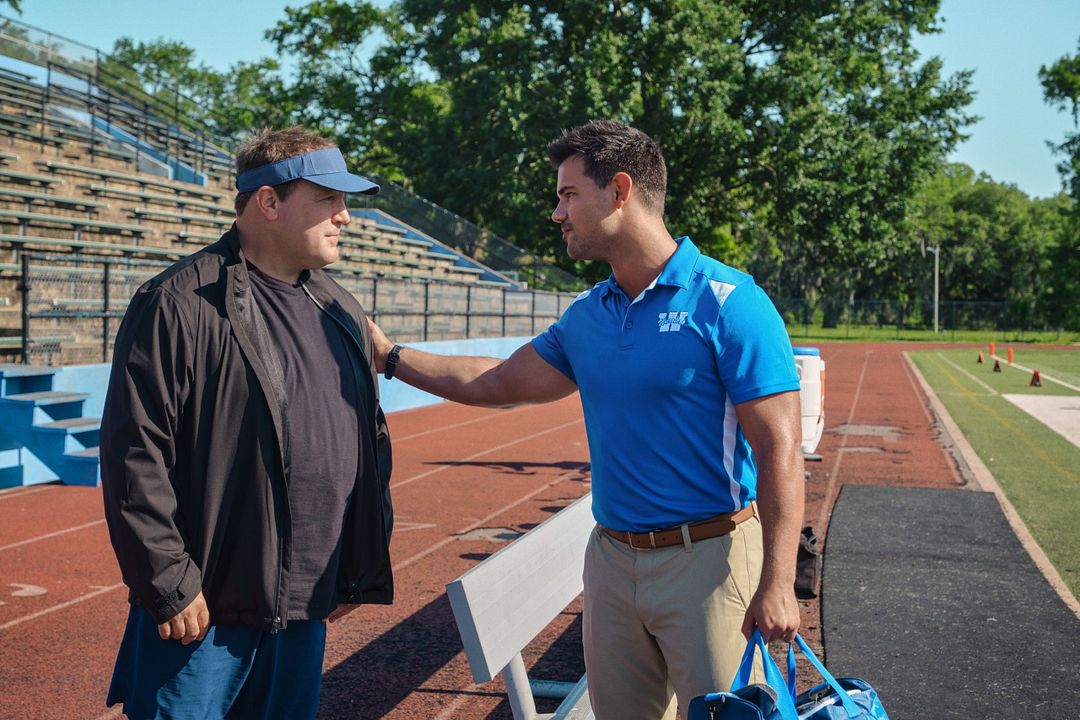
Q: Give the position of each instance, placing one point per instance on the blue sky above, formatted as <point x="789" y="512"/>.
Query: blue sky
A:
<point x="1004" y="41"/>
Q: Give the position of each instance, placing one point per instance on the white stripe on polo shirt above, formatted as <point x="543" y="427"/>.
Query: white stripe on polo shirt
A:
<point x="731" y="430"/>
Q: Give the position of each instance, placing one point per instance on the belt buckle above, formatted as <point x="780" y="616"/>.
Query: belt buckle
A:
<point x="651" y="546"/>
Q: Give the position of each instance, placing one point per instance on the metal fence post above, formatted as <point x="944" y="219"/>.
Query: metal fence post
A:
<point x="105" y="314"/>
<point x="375" y="298"/>
<point x="427" y="306"/>
<point x="24" y="288"/>
<point x="468" y="310"/>
<point x="532" y="312"/>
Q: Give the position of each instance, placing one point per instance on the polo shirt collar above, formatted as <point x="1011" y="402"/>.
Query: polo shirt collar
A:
<point x="677" y="272"/>
<point x="680" y="266"/>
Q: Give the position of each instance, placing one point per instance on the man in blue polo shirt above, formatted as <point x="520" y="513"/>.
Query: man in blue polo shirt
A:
<point x="690" y="396"/>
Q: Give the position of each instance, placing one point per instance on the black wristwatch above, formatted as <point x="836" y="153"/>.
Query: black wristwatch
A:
<point x="392" y="359"/>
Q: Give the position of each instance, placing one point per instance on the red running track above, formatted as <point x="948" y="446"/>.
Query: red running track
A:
<point x="465" y="481"/>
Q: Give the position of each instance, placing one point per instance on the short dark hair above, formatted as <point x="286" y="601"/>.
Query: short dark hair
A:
<point x="610" y="147"/>
<point x="269" y="146"/>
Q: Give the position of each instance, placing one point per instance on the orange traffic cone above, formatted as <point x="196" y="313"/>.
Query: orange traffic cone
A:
<point x="997" y="366"/>
<point x="980" y="361"/>
<point x="991" y="349"/>
<point x="1010" y="356"/>
<point x="1036" y="381"/>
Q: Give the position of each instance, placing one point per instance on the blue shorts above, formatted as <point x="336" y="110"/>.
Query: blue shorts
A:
<point x="234" y="672"/>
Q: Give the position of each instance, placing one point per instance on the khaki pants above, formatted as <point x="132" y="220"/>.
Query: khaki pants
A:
<point x="669" y="620"/>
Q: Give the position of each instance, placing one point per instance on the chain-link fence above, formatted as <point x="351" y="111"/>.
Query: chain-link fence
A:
<point x="844" y="318"/>
<point x="72" y="306"/>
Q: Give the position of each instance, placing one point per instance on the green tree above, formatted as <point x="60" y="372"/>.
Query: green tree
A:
<point x="1061" y="88"/>
<point x="229" y="104"/>
<point x="796" y="133"/>
<point x="996" y="243"/>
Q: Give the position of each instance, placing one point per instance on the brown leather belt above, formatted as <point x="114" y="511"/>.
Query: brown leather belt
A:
<point x="700" y="530"/>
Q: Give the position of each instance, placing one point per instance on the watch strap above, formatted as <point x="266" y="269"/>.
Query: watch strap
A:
<point x="392" y="359"/>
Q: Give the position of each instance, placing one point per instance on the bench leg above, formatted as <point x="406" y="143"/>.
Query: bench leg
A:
<point x="518" y="691"/>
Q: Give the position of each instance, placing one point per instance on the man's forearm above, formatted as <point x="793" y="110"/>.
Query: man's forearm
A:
<point x="467" y="380"/>
<point x="780" y="505"/>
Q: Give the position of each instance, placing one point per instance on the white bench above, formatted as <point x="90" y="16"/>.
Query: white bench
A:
<point x="508" y="599"/>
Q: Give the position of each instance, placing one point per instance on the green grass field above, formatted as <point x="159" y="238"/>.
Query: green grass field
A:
<point x="1037" y="469"/>
<point x="1063" y="365"/>
<point x="801" y="333"/>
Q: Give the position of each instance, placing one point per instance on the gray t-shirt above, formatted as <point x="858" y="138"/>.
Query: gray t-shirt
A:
<point x="324" y="408"/>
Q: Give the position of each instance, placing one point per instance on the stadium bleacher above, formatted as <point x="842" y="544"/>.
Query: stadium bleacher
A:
<point x="98" y="194"/>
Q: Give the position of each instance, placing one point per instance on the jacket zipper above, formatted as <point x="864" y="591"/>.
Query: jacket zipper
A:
<point x="276" y="625"/>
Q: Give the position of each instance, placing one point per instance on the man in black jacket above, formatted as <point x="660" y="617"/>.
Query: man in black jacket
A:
<point x="245" y="459"/>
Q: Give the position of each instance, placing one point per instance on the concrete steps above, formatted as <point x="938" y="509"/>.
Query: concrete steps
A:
<point x="44" y="436"/>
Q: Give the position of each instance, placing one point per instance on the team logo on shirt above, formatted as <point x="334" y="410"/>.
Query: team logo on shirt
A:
<point x="672" y="321"/>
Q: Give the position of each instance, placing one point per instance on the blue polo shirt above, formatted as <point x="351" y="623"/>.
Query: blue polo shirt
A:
<point x="659" y="377"/>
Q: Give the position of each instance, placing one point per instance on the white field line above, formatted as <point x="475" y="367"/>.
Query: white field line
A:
<point x="482" y="521"/>
<point x="467" y="694"/>
<point x="457" y="463"/>
<point x="1042" y="375"/>
<point x="985" y="479"/>
<point x="986" y="387"/>
<point x="61" y="606"/>
<point x="20" y="491"/>
<point x="52" y="534"/>
<point x="453" y="426"/>
<point x="823" y="517"/>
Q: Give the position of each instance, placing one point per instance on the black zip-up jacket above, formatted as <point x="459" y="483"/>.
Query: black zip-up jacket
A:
<point x="194" y="466"/>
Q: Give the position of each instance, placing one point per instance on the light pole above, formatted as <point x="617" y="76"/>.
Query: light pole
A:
<point x="936" y="249"/>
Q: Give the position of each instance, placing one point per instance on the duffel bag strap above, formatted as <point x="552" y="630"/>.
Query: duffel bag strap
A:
<point x="784" y="687"/>
<point x="849" y="705"/>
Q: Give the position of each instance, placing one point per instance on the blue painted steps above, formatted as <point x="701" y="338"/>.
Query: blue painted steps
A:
<point x="43" y="435"/>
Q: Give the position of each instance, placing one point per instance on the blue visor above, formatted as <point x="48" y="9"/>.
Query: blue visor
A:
<point x="324" y="167"/>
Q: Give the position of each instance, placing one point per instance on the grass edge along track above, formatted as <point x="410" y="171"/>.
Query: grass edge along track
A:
<point x="1037" y="469"/>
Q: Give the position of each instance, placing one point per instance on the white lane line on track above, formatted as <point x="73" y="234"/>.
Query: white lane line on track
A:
<point x="826" y="507"/>
<point x="468" y="693"/>
<point x="61" y="606"/>
<point x="482" y="521"/>
<point x="454" y="426"/>
<point x="984" y="386"/>
<point x="118" y="712"/>
<point x="463" y="461"/>
<point x="19" y="491"/>
<point x="52" y="534"/>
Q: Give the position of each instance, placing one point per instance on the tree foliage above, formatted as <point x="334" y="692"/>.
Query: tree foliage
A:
<point x="1061" y="88"/>
<point x="229" y="104"/>
<point x="806" y="141"/>
<point x="796" y="133"/>
<point x="995" y="241"/>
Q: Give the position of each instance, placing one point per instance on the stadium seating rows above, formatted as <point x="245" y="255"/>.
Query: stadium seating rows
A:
<point x="69" y="191"/>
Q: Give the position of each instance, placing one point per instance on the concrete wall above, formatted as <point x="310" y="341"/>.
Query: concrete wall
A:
<point x="396" y="395"/>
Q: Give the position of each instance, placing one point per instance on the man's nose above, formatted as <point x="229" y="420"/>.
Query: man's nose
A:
<point x="558" y="214"/>
<point x="341" y="217"/>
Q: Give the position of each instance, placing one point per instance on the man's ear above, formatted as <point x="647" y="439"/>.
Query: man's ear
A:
<point x="267" y="201"/>
<point x="624" y="188"/>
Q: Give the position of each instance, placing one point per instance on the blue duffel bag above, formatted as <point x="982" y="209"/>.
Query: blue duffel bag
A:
<point x="846" y="698"/>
